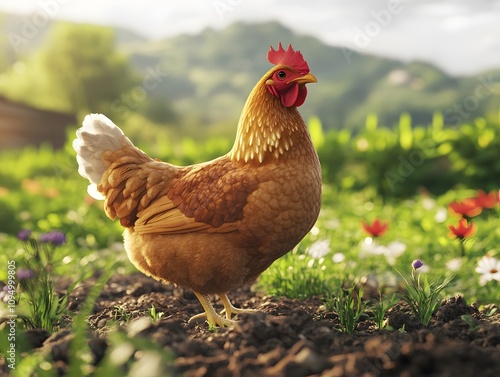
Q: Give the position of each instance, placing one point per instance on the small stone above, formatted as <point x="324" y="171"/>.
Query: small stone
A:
<point x="101" y="323"/>
<point x="310" y="360"/>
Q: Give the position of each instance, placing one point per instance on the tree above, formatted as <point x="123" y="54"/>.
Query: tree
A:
<point x="77" y="69"/>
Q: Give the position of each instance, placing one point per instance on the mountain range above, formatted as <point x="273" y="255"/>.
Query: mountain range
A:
<point x="208" y="76"/>
<point x="211" y="74"/>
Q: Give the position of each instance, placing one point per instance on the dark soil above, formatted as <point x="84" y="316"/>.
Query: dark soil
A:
<point x="287" y="338"/>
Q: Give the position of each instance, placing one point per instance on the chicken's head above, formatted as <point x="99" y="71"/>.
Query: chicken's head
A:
<point x="287" y="80"/>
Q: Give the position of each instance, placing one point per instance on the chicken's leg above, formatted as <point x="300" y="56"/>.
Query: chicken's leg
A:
<point x="213" y="318"/>
<point x="230" y="309"/>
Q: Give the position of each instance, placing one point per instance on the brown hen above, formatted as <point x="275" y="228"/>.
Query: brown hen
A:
<point x="215" y="226"/>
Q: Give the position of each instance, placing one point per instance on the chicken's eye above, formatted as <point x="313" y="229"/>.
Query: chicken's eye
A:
<point x="281" y="75"/>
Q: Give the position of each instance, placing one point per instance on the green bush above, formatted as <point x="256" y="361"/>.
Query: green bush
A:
<point x="400" y="162"/>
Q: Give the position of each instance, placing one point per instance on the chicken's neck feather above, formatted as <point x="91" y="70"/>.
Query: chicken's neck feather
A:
<point x="267" y="129"/>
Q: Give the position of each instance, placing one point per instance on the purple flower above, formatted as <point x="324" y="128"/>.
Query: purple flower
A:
<point x="24" y="235"/>
<point x="54" y="237"/>
<point x="416" y="264"/>
<point x="25" y="273"/>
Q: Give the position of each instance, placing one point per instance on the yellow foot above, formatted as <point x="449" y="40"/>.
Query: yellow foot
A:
<point x="229" y="309"/>
<point x="216" y="320"/>
<point x="212" y="317"/>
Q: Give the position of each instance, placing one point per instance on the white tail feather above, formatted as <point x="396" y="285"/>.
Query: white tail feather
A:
<point x="97" y="134"/>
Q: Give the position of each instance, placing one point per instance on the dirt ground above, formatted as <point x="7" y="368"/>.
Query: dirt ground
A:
<point x="286" y="338"/>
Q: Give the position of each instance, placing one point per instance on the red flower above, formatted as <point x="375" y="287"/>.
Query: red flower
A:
<point x="466" y="208"/>
<point x="463" y="230"/>
<point x="376" y="229"/>
<point x="484" y="200"/>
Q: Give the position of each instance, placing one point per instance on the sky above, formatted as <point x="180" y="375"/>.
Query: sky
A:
<point x="461" y="37"/>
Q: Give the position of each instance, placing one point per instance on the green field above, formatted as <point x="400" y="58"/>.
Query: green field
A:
<point x="406" y="177"/>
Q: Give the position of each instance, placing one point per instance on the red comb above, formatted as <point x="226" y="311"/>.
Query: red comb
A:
<point x="288" y="57"/>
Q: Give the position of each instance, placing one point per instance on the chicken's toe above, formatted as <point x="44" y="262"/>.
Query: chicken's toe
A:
<point x="231" y="310"/>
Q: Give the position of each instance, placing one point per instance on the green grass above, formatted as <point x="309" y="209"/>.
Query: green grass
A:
<point x="43" y="199"/>
<point x="41" y="190"/>
<point x="416" y="223"/>
<point x="348" y="305"/>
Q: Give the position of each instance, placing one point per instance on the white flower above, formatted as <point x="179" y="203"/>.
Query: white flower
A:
<point x="441" y="215"/>
<point x="489" y="268"/>
<point x="393" y="251"/>
<point x="454" y="264"/>
<point x="319" y="249"/>
<point x="338" y="258"/>
<point x="314" y="231"/>
<point x="370" y="246"/>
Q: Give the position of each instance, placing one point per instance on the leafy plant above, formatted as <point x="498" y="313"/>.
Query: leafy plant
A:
<point x="348" y="305"/>
<point x="38" y="304"/>
<point x="41" y="364"/>
<point x="422" y="294"/>
<point x="471" y="321"/>
<point x="154" y="315"/>
<point x="380" y="308"/>
<point x="121" y="314"/>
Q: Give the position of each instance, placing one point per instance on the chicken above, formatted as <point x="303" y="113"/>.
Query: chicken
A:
<point x="214" y="226"/>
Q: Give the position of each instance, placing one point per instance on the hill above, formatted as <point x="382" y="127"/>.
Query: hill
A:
<point x="210" y="74"/>
<point x="206" y="78"/>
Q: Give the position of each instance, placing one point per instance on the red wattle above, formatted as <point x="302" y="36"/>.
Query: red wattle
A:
<point x="289" y="97"/>
<point x="295" y="96"/>
<point x="302" y="96"/>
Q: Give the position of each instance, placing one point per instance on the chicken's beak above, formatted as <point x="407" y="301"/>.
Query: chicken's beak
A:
<point x="306" y="79"/>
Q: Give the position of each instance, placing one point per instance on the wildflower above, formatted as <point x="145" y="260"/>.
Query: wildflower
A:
<point x="314" y="231"/>
<point x="319" y="249"/>
<point x="489" y="268"/>
<point x="4" y="191"/>
<point x="454" y="264"/>
<point x="370" y="246"/>
<point x="31" y="186"/>
<point x="422" y="293"/>
<point x="55" y="238"/>
<point x="441" y="215"/>
<point x="51" y="193"/>
<point x="396" y="248"/>
<point x="466" y="208"/>
<point x="24" y="235"/>
<point x="338" y="258"/>
<point x="394" y="251"/>
<point x="486" y="201"/>
<point x="416" y="264"/>
<point x="463" y="230"/>
<point x="376" y="229"/>
<point x="25" y="273"/>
